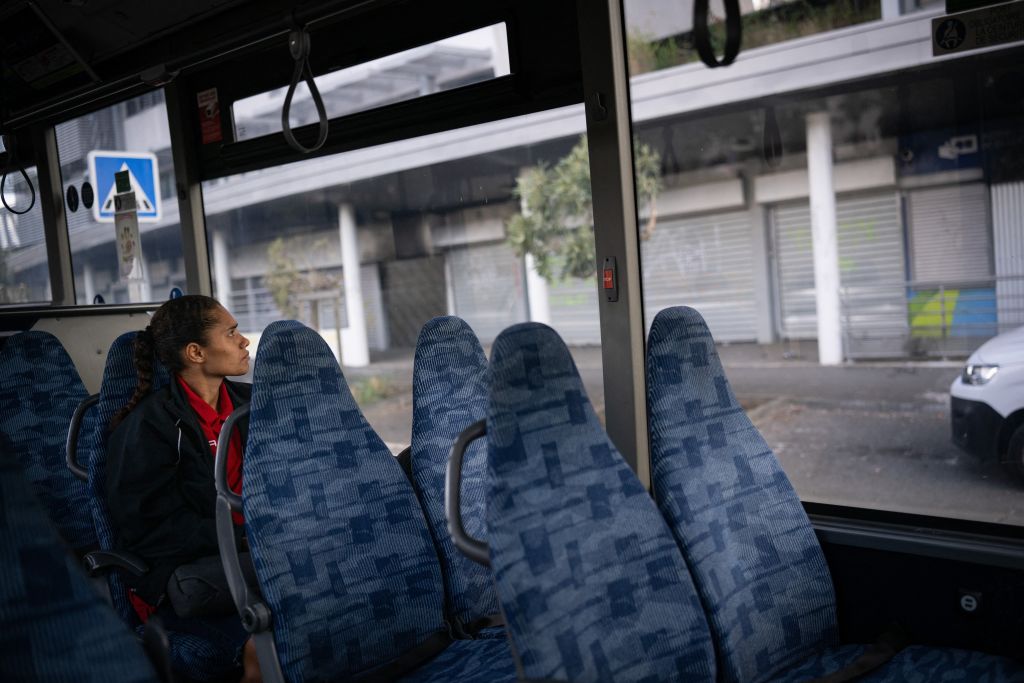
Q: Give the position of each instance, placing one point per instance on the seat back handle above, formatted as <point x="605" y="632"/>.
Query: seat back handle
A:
<point x="71" y="445"/>
<point x="473" y="548"/>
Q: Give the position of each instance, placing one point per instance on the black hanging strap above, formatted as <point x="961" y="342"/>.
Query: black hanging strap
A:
<point x="298" y="45"/>
<point x="702" y="33"/>
<point x="12" y="160"/>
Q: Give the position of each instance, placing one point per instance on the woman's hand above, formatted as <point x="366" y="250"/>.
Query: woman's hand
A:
<point x="250" y="664"/>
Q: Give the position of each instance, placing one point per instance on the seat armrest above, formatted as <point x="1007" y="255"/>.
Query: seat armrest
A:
<point x="99" y="562"/>
<point x="256" y="616"/>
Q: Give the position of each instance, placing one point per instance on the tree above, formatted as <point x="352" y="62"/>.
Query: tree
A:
<point x="556" y="223"/>
<point x="286" y="280"/>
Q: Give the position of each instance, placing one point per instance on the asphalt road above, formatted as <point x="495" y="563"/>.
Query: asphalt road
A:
<point x="871" y="435"/>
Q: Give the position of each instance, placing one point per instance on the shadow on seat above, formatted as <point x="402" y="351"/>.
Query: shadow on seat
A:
<point x="342" y="551"/>
<point x="39" y="391"/>
<point x="450" y="392"/>
<point x="755" y="559"/>
<point x="53" y="624"/>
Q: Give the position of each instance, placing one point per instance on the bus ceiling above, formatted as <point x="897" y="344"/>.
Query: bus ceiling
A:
<point x="104" y="52"/>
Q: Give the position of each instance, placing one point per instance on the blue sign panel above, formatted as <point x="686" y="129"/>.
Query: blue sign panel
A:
<point x="143" y="173"/>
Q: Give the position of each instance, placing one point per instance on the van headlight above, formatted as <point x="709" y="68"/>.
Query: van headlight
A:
<point x="979" y="374"/>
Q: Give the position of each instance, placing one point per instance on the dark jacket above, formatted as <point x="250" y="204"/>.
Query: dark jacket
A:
<point x="160" y="485"/>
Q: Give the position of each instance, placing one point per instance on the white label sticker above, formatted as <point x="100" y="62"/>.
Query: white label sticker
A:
<point x="128" y="252"/>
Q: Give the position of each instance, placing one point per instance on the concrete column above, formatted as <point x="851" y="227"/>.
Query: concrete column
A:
<point x="146" y="286"/>
<point x="763" y="304"/>
<point x="890" y="9"/>
<point x="537" y="304"/>
<point x="449" y="287"/>
<point x="88" y="283"/>
<point x="221" y="269"/>
<point x="355" y="347"/>
<point x="536" y="294"/>
<point x="824" y="238"/>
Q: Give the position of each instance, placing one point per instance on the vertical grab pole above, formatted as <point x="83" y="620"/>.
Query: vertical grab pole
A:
<point x="609" y="134"/>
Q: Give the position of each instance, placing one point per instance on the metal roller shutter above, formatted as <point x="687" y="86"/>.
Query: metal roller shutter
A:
<point x="706" y="263"/>
<point x="1008" y="233"/>
<point x="487" y="288"/>
<point x="871" y="272"/>
<point x="794" y="271"/>
<point x="574" y="313"/>
<point x="949" y="234"/>
<point x="373" y="305"/>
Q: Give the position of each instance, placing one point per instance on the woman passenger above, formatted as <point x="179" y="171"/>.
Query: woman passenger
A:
<point x="160" y="475"/>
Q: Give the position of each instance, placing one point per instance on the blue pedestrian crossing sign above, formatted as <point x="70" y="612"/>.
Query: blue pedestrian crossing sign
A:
<point x="143" y="173"/>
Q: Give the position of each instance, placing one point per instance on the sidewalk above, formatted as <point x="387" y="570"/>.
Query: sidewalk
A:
<point x="757" y="373"/>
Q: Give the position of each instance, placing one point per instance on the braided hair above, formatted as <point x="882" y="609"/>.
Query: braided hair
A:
<point x="176" y="324"/>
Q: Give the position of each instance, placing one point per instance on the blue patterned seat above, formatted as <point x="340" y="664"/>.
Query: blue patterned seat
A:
<point x="39" y="391"/>
<point x="754" y="556"/>
<point x="450" y="392"/>
<point x="338" y="540"/>
<point x="190" y="656"/>
<point x="54" y="627"/>
<point x="592" y="584"/>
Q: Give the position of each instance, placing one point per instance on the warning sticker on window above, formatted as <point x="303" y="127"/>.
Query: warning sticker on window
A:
<point x="209" y="116"/>
<point x="978" y="28"/>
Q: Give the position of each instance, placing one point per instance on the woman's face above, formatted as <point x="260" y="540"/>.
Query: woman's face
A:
<point x="225" y="349"/>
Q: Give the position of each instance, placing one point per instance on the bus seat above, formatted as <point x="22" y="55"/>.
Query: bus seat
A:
<point x="338" y="540"/>
<point x="590" y="579"/>
<point x="755" y="559"/>
<point x="189" y="655"/>
<point x="39" y="391"/>
<point x="450" y="392"/>
<point x="54" y="626"/>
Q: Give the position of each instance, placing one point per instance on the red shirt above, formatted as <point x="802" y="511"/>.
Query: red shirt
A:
<point x="210" y="420"/>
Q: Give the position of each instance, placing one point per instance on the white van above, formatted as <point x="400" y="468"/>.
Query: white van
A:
<point x="987" y="401"/>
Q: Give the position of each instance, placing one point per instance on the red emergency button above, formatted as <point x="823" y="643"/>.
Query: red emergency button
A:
<point x="609" y="283"/>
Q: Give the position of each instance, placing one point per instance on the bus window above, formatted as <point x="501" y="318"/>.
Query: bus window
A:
<point x="462" y="60"/>
<point x="367" y="246"/>
<point x="850" y="233"/>
<point x="24" y="276"/>
<point x="134" y="136"/>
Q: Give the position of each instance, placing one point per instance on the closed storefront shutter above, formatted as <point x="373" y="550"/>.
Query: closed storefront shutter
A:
<point x="413" y="292"/>
<point x="953" y="300"/>
<point x="795" y="271"/>
<point x="705" y="263"/>
<point x="487" y="288"/>
<point x="871" y="272"/>
<point x="373" y="305"/>
<point x="949" y="233"/>
<point x="573" y="308"/>
<point x="1008" y="232"/>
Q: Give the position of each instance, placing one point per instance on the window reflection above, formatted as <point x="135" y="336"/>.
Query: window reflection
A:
<point x="367" y="246"/>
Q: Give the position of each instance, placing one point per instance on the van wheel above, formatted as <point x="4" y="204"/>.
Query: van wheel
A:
<point x="1014" y="461"/>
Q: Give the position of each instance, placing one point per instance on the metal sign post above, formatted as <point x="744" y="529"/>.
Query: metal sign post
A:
<point x="129" y="246"/>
